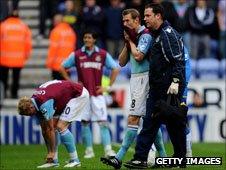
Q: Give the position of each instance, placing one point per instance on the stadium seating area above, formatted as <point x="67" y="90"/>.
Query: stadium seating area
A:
<point x="208" y="69"/>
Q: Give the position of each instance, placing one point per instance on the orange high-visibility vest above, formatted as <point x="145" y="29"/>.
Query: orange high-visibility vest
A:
<point x="62" y="43"/>
<point x="15" y="42"/>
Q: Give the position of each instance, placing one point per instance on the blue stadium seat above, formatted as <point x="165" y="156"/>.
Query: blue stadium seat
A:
<point x="208" y="69"/>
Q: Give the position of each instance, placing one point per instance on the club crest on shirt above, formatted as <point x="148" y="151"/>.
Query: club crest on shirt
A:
<point x="82" y="57"/>
<point x="98" y="58"/>
<point x="168" y="30"/>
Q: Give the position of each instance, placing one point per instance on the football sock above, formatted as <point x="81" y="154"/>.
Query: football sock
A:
<point x="188" y="141"/>
<point x="129" y="137"/>
<point x="57" y="143"/>
<point x="68" y="140"/>
<point x="105" y="136"/>
<point x="87" y="136"/>
<point x="159" y="144"/>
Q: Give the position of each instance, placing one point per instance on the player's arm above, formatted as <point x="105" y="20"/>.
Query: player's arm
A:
<point x="48" y="133"/>
<point x="123" y="56"/>
<point x="138" y="56"/>
<point x="68" y="63"/>
<point x="111" y="64"/>
<point x="142" y="48"/>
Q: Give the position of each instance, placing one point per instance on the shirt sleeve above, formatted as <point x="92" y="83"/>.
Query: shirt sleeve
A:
<point x="187" y="65"/>
<point x="109" y="62"/>
<point x="173" y="52"/>
<point x="70" y="61"/>
<point x="47" y="109"/>
<point x="172" y="44"/>
<point x="144" y="43"/>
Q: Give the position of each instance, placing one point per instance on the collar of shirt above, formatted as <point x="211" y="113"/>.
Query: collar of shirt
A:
<point x="35" y="104"/>
<point x="89" y="52"/>
<point x="141" y="28"/>
<point x="157" y="32"/>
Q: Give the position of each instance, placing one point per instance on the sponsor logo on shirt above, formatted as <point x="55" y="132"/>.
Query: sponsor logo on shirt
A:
<point x="95" y="65"/>
<point x="82" y="57"/>
<point x="40" y="92"/>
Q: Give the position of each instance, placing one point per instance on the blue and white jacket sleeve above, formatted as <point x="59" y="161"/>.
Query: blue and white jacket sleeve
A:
<point x="172" y="48"/>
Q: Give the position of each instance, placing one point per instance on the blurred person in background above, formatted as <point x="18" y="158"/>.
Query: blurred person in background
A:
<point x="70" y="15"/>
<point x="15" y="49"/>
<point x="197" y="100"/>
<point x="57" y="104"/>
<point x="181" y="7"/>
<point x="92" y="17"/>
<point x="138" y="5"/>
<point x="4" y="10"/>
<point x="47" y="9"/>
<point x="170" y="12"/>
<point x="114" y="32"/>
<point x="62" y="42"/>
<point x="200" y="21"/>
<point x="114" y="103"/>
<point x="89" y="62"/>
<point x="15" y="4"/>
<point x="221" y="16"/>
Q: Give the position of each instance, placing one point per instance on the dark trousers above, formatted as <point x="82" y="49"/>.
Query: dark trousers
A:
<point x="151" y="125"/>
<point x="4" y="72"/>
<point x="48" y="9"/>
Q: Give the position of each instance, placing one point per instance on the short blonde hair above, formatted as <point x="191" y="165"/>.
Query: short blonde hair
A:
<point x="24" y="105"/>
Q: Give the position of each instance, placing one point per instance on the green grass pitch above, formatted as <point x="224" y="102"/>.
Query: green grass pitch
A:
<point x="30" y="156"/>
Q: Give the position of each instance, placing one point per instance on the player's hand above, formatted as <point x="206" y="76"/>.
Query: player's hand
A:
<point x="126" y="37"/>
<point x="173" y="88"/>
<point x="131" y="33"/>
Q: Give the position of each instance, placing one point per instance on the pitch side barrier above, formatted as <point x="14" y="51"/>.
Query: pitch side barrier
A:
<point x="208" y="124"/>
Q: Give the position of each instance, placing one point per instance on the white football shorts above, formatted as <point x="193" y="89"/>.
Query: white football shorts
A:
<point x="98" y="109"/>
<point x="139" y="88"/>
<point x="76" y="107"/>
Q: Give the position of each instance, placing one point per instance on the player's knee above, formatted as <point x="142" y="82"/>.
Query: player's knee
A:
<point x="62" y="126"/>
<point x="133" y="120"/>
